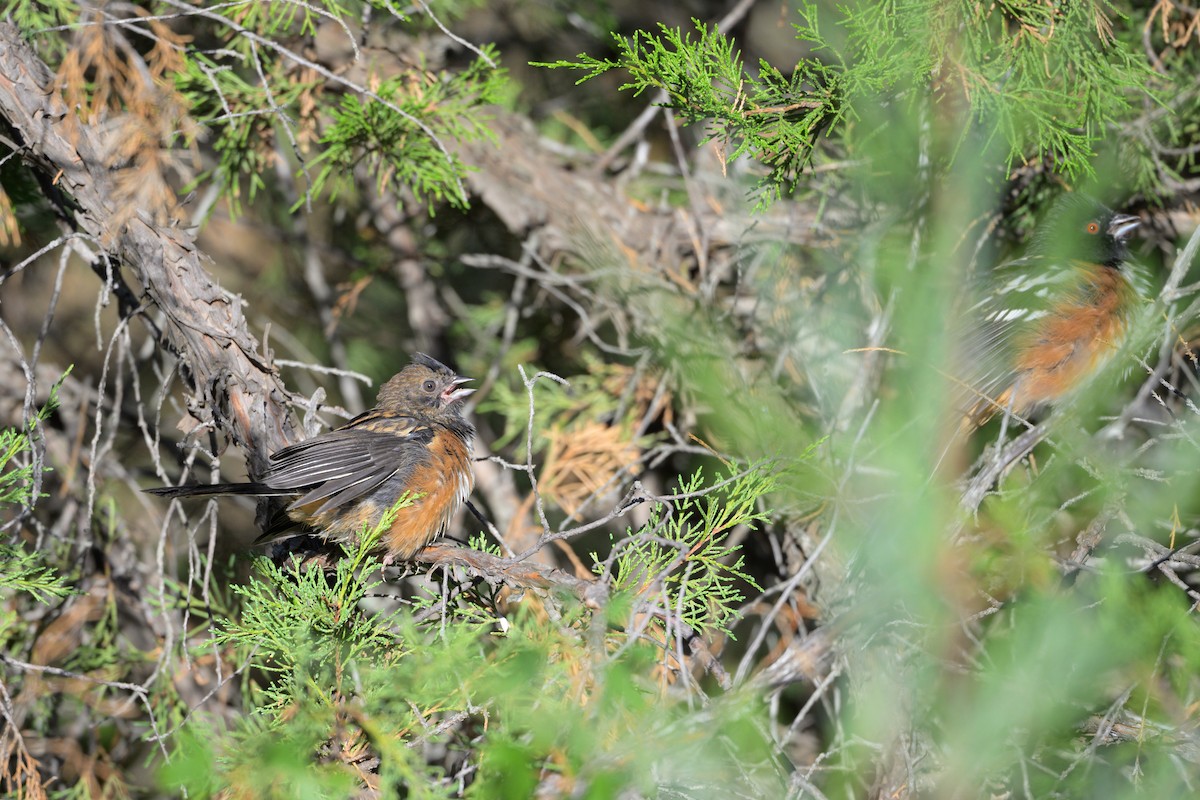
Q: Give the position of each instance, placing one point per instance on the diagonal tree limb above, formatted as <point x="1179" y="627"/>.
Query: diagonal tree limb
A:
<point x="236" y="388"/>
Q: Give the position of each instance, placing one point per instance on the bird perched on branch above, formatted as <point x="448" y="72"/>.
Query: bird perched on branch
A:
<point x="413" y="441"/>
<point x="1051" y="319"/>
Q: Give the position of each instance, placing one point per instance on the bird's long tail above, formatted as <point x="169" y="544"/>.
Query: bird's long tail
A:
<point x="207" y="489"/>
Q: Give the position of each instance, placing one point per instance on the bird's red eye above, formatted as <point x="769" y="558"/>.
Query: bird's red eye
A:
<point x="1093" y="227"/>
<point x="429" y="386"/>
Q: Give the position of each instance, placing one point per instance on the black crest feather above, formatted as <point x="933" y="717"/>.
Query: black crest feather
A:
<point x="423" y="360"/>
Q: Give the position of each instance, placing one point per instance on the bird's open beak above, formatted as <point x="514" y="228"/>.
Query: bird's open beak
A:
<point x="1122" y="226"/>
<point x="456" y="390"/>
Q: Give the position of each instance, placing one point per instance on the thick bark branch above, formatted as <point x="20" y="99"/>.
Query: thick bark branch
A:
<point x="533" y="189"/>
<point x="235" y="385"/>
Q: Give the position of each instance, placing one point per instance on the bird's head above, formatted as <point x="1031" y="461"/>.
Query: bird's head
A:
<point x="427" y="384"/>
<point x="1079" y="228"/>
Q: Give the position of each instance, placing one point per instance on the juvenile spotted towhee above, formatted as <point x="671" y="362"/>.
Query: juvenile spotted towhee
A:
<point x="414" y="440"/>
<point x="1049" y="320"/>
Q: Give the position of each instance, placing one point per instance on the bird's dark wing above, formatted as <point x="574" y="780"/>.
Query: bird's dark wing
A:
<point x="344" y="464"/>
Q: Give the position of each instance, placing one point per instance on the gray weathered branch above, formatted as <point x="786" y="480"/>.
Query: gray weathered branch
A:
<point x="236" y="388"/>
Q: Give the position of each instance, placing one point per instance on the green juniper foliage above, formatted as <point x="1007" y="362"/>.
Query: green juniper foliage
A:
<point x="37" y="15"/>
<point x="1047" y="81"/>
<point x="215" y="91"/>
<point x="295" y="619"/>
<point x="337" y="678"/>
<point x="20" y="570"/>
<point x="775" y="118"/>
<point x="404" y="127"/>
<point x="680" y="552"/>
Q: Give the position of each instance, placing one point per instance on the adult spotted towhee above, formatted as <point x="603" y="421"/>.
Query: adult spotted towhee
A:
<point x="413" y="441"/>
<point x="1046" y="322"/>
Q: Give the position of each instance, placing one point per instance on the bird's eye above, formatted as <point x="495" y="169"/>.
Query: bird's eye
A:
<point x="429" y="386"/>
<point x="1093" y="227"/>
